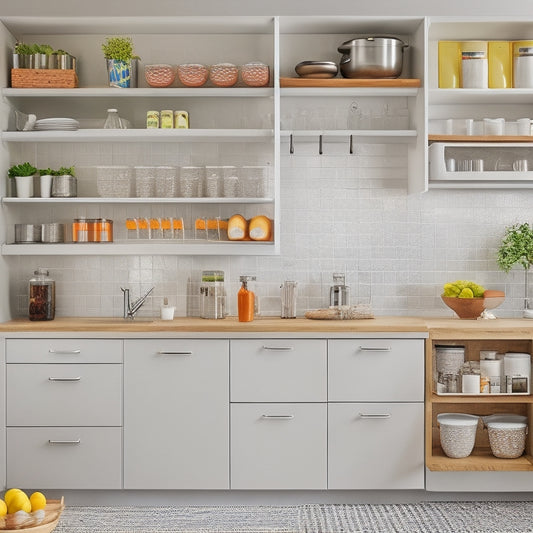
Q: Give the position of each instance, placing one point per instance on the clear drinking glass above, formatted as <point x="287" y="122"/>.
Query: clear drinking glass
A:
<point x="165" y="182"/>
<point x="144" y="182"/>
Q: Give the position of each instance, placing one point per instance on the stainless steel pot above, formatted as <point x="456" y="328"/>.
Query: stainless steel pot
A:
<point x="372" y="57"/>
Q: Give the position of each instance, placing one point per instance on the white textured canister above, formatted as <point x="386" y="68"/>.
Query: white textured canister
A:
<point x="491" y="368"/>
<point x="475" y="70"/>
<point x="449" y="359"/>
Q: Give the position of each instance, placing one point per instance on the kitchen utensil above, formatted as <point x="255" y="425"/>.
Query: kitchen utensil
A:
<point x="288" y="299"/>
<point x="372" y="57"/>
<point x="457" y="433"/>
<point x="27" y="233"/>
<point x="316" y="69"/>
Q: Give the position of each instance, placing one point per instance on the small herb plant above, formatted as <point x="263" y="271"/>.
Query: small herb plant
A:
<point x="46" y="172"/>
<point x="65" y="171"/>
<point x="30" y="49"/>
<point x="24" y="169"/>
<point x="119" y="48"/>
<point x="516" y="247"/>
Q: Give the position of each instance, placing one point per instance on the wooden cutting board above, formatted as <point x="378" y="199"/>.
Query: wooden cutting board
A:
<point x="346" y="82"/>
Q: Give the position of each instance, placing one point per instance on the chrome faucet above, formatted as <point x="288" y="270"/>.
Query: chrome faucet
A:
<point x="130" y="309"/>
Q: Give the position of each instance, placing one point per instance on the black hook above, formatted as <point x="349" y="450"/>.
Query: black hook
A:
<point x="320" y="152"/>
<point x="291" y="145"/>
<point x="351" y="144"/>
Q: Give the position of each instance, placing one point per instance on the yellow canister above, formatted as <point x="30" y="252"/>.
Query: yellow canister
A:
<point x="167" y="118"/>
<point x="181" y="119"/>
<point x="449" y="64"/>
<point x="500" y="64"/>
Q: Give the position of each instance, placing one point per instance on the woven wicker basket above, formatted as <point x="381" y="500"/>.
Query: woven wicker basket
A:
<point x="30" y="78"/>
<point x="52" y="514"/>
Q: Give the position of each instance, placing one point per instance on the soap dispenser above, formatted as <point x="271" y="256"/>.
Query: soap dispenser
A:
<point x="245" y="300"/>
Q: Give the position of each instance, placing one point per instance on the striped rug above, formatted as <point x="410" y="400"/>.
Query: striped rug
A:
<point x="427" y="517"/>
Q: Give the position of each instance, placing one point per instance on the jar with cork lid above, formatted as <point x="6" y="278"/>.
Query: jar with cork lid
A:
<point x="42" y="302"/>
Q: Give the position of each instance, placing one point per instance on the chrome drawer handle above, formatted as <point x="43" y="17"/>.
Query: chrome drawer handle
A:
<point x="174" y="353"/>
<point x="278" y="348"/>
<point x="382" y="415"/>
<point x="64" y="352"/>
<point x="77" y="441"/>
<point x="278" y="417"/>
<point x="375" y="348"/>
<point x="78" y="378"/>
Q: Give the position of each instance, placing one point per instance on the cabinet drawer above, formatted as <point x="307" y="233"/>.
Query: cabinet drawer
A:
<point x="381" y="370"/>
<point x="278" y="446"/>
<point x="63" y="351"/>
<point x="376" y="446"/>
<point x="64" y="458"/>
<point x="64" y="395"/>
<point x="278" y="370"/>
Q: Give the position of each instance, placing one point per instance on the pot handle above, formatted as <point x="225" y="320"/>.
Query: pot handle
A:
<point x="345" y="59"/>
<point x="343" y="49"/>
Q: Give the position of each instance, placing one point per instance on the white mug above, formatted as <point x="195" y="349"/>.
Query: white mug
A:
<point x="520" y="165"/>
<point x="524" y="126"/>
<point x="471" y="383"/>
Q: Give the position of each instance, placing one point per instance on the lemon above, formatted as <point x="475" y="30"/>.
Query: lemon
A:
<point x="38" y="501"/>
<point x="466" y="293"/>
<point x="9" y="494"/>
<point x="19" y="502"/>
<point x="3" y="508"/>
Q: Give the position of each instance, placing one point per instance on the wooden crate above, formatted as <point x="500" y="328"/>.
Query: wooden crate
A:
<point x="30" y="78"/>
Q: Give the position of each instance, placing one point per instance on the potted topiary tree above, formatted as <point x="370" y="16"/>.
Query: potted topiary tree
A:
<point x="121" y="61"/>
<point x="517" y="248"/>
<point x="23" y="175"/>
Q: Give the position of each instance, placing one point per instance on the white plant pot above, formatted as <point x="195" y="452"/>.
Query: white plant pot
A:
<point x="46" y="185"/>
<point x="24" y="186"/>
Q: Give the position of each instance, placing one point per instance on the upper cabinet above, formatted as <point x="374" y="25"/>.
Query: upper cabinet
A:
<point x="468" y="146"/>
<point x="353" y="111"/>
<point x="230" y="127"/>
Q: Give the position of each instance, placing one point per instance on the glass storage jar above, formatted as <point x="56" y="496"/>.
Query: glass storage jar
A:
<point x="42" y="302"/>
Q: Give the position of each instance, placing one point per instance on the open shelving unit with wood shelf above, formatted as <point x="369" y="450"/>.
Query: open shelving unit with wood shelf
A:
<point x="481" y="458"/>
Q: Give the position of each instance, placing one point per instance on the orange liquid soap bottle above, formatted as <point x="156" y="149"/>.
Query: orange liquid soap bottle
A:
<point x="245" y="300"/>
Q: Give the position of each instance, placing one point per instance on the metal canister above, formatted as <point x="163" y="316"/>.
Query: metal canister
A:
<point x="167" y="119"/>
<point x="53" y="232"/>
<point x="152" y="119"/>
<point x="181" y="119"/>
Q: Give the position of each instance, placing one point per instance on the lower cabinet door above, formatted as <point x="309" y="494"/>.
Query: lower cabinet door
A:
<point x="279" y="446"/>
<point x="64" y="458"/>
<point x="376" y="446"/>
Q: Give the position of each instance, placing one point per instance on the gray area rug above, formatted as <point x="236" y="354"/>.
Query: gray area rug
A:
<point x="427" y="517"/>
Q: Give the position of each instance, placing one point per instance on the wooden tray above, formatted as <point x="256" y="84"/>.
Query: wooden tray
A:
<point x="345" y="82"/>
<point x="31" y="78"/>
<point x="52" y="511"/>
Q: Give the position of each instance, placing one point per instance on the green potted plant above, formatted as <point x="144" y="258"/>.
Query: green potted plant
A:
<point x="45" y="176"/>
<point x="121" y="61"/>
<point x="23" y="175"/>
<point x="517" y="248"/>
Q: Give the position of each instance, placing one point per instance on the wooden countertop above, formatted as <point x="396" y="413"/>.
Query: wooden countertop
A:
<point x="437" y="328"/>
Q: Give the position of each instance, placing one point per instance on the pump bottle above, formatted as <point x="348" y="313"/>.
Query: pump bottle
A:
<point x="245" y="300"/>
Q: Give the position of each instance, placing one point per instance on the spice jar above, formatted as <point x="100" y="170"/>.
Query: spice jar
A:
<point x="42" y="305"/>
<point x="475" y="70"/>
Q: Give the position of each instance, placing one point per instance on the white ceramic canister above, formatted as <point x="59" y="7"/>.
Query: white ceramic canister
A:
<point x="516" y="368"/>
<point x="475" y="70"/>
<point x="523" y="68"/>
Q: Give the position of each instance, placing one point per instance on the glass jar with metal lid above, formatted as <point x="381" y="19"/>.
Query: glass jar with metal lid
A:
<point x="475" y="69"/>
<point x="523" y="68"/>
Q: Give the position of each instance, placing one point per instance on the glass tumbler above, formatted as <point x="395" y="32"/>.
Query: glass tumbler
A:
<point x="191" y="182"/>
<point x="144" y="182"/>
<point x="253" y="181"/>
<point x="213" y="181"/>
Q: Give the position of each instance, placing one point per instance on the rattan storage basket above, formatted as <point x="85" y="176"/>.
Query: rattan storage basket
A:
<point x="31" y="78"/>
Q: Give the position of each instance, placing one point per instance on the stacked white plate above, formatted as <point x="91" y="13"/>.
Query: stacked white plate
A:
<point x="47" y="124"/>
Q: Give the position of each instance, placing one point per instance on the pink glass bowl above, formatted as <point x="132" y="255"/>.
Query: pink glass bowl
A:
<point x="193" y="74"/>
<point x="159" y="75"/>
<point x="224" y="74"/>
<point x="255" y="74"/>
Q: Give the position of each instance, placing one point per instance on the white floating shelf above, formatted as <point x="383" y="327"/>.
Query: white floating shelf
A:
<point x="348" y="91"/>
<point x="173" y="247"/>
<point x="131" y="135"/>
<point x="376" y="136"/>
<point x="480" y="96"/>
<point x="143" y="92"/>
<point x="98" y="200"/>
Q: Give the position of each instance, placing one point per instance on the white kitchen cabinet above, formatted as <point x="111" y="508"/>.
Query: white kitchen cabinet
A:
<point x="64" y="413"/>
<point x="64" y="457"/>
<point x="376" y="445"/>
<point x="477" y="104"/>
<point x="278" y="370"/>
<point x="225" y="121"/>
<point x="176" y="414"/>
<point x="279" y="446"/>
<point x="376" y="370"/>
